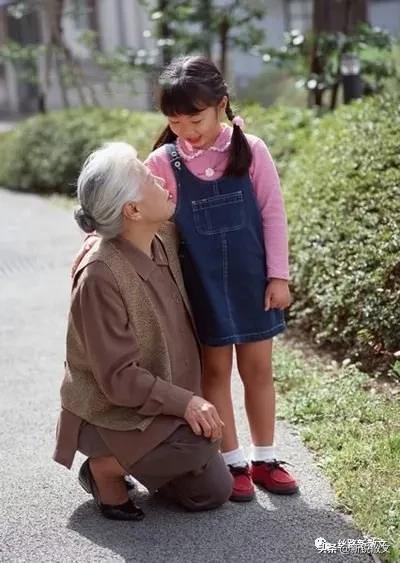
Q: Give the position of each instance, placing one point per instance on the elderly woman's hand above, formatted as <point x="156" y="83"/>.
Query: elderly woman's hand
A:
<point x="89" y="242"/>
<point x="204" y="418"/>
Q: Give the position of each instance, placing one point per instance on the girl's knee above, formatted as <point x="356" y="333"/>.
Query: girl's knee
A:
<point x="216" y="375"/>
<point x="260" y="377"/>
<point x="254" y="362"/>
<point x="217" y="363"/>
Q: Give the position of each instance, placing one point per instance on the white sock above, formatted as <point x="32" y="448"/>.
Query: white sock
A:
<point x="263" y="453"/>
<point x="235" y="457"/>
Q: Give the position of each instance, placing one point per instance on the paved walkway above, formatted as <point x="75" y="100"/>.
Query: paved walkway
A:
<point x="6" y="126"/>
<point x="44" y="514"/>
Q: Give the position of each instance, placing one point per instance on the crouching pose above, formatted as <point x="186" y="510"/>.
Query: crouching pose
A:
<point x="130" y="397"/>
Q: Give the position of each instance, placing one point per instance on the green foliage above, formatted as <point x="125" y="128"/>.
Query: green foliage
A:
<point x="177" y="27"/>
<point x="343" y="202"/>
<point x="341" y="177"/>
<point x="374" y="48"/>
<point x="285" y="130"/>
<point x="122" y="65"/>
<point x="24" y="59"/>
<point x="272" y="86"/>
<point x="186" y="27"/>
<point x="46" y="152"/>
<point x="355" y="432"/>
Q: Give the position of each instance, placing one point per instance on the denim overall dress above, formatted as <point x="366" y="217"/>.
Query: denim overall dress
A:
<point x="223" y="257"/>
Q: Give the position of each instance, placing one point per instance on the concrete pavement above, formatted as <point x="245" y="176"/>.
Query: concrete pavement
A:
<point x="44" y="515"/>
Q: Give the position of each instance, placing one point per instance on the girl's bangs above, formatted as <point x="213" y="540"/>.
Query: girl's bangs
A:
<point x="184" y="99"/>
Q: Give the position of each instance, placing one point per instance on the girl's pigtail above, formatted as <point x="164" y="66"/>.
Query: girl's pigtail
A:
<point x="167" y="136"/>
<point x="240" y="155"/>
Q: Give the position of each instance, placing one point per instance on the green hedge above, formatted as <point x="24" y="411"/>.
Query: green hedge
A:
<point x="343" y="202"/>
<point x="284" y="129"/>
<point x="44" y="153"/>
<point x="341" y="177"/>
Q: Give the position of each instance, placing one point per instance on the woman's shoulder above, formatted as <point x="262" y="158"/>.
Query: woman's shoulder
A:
<point x="93" y="269"/>
<point x="95" y="273"/>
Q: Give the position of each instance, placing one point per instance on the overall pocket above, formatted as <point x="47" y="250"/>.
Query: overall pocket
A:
<point x="219" y="214"/>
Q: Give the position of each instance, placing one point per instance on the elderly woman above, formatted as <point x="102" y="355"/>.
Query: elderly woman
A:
<point x="130" y="394"/>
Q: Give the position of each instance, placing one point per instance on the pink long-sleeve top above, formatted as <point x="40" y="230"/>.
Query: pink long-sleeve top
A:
<point x="266" y="185"/>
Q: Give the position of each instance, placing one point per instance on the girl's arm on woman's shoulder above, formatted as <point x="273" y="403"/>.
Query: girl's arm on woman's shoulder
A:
<point x="158" y="163"/>
<point x="269" y="197"/>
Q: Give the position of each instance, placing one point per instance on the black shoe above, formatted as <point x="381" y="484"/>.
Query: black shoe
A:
<point x="126" y="511"/>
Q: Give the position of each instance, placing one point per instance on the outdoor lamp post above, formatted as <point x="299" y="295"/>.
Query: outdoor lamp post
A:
<point x="350" y="68"/>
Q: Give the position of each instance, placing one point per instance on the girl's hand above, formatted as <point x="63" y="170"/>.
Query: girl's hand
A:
<point x="89" y="242"/>
<point x="277" y="295"/>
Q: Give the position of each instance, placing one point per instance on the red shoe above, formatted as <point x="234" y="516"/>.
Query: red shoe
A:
<point x="243" y="488"/>
<point x="273" y="477"/>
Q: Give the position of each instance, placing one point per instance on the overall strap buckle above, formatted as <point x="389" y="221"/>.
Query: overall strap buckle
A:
<point x="174" y="157"/>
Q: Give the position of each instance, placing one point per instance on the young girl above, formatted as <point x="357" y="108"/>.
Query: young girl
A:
<point x="234" y="254"/>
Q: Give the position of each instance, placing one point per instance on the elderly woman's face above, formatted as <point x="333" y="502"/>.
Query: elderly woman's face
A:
<point x="156" y="203"/>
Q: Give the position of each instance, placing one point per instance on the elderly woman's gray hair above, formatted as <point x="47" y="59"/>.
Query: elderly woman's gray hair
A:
<point x="110" y="177"/>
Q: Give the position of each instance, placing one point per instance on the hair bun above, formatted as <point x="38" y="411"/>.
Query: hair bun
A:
<point x="84" y="220"/>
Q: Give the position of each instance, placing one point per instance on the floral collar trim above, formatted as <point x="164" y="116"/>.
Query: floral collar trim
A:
<point x="221" y="144"/>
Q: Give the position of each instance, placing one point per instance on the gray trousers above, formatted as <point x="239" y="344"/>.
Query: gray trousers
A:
<point x="185" y="468"/>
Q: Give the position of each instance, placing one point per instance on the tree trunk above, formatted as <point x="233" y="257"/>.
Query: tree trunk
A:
<point x="328" y="16"/>
<point x="334" y="94"/>
<point x="44" y="78"/>
<point x="206" y="20"/>
<point x="45" y="59"/>
<point x="342" y="15"/>
<point x="164" y="32"/>
<point x="54" y="10"/>
<point x="59" y="68"/>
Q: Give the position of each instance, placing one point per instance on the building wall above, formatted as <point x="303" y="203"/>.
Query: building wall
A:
<point x="245" y="66"/>
<point x="109" y="24"/>
<point x="74" y="25"/>
<point x="122" y="23"/>
<point x="5" y="83"/>
<point x="298" y="14"/>
<point x="386" y="14"/>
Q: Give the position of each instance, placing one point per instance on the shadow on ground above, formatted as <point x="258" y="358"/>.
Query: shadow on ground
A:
<point x="251" y="532"/>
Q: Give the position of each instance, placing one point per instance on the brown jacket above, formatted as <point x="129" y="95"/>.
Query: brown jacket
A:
<point x="80" y="393"/>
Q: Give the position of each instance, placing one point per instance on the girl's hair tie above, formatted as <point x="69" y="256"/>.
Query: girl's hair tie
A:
<point x="239" y="121"/>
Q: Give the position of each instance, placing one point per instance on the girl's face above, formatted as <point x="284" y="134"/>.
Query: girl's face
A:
<point x="200" y="129"/>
